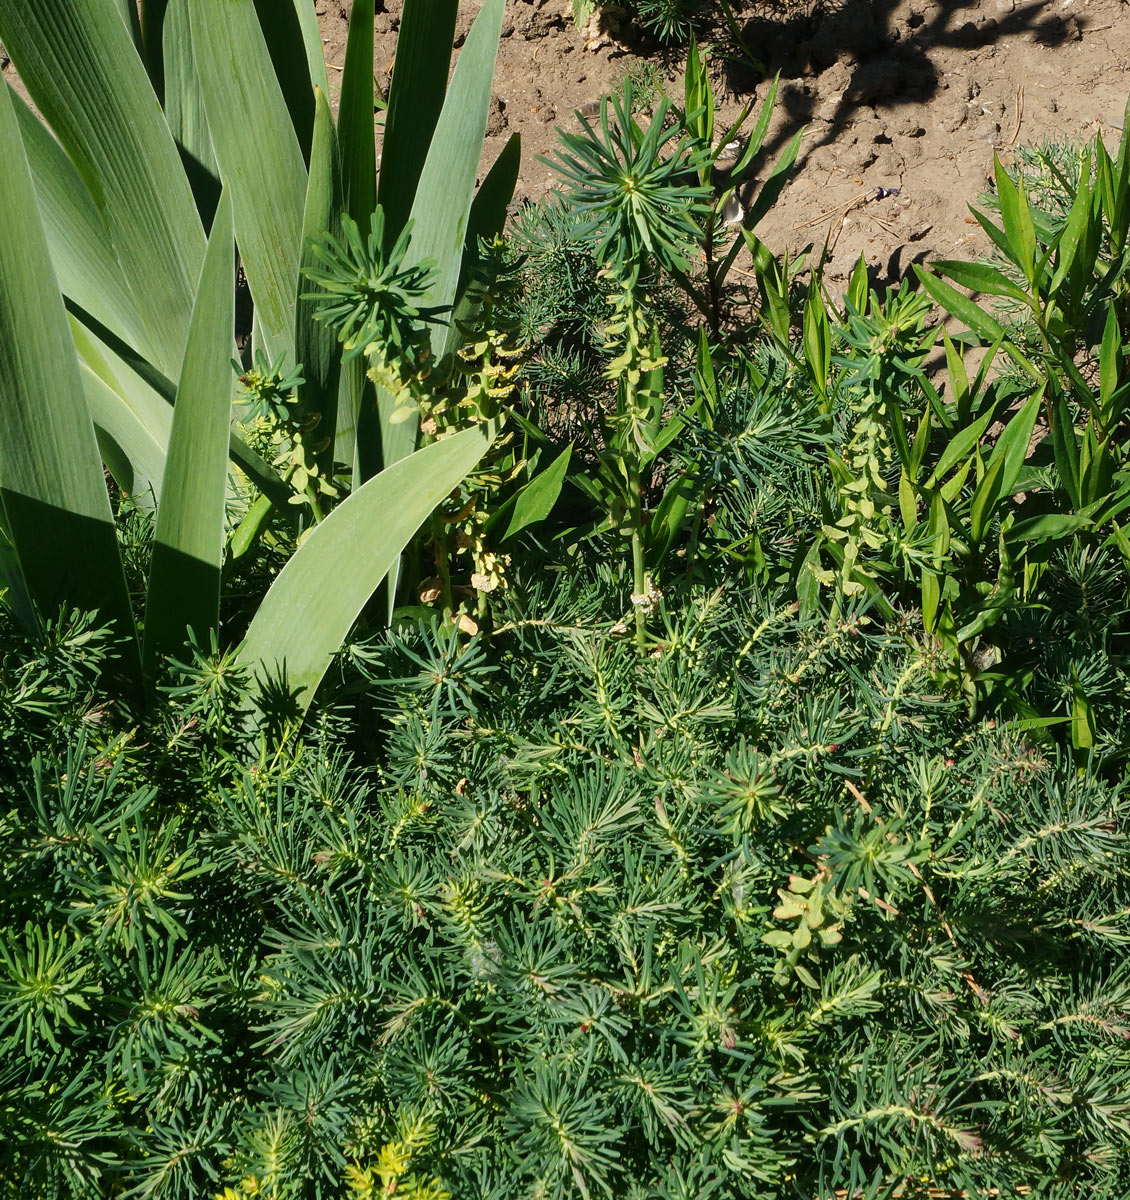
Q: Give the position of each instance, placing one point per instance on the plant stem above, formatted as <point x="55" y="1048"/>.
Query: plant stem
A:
<point x="639" y="577"/>
<point x="443" y="567"/>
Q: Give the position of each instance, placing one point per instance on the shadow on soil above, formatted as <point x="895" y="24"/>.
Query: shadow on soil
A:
<point x="889" y="63"/>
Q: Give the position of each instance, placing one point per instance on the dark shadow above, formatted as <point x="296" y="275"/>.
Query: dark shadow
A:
<point x="280" y="710"/>
<point x="889" y="64"/>
<point x="67" y="560"/>
<point x="897" y="269"/>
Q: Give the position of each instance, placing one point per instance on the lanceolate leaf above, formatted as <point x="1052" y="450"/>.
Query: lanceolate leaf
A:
<point x="980" y="277"/>
<point x="184" y="581"/>
<point x="81" y="250"/>
<point x="356" y="128"/>
<point x="443" y="199"/>
<point x="316" y="344"/>
<point x="536" y="500"/>
<point x="83" y="71"/>
<point x="961" y="306"/>
<point x="127" y="407"/>
<point x="317" y="596"/>
<point x="261" y="163"/>
<point x="447" y="184"/>
<point x="487" y="220"/>
<point x="52" y="487"/>
<point x="184" y="109"/>
<point x="290" y="32"/>
<point x="423" y="59"/>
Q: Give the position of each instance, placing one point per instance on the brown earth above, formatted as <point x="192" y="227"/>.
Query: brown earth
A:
<point x="916" y="95"/>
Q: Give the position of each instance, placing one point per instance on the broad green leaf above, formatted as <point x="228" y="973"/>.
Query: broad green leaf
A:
<point x="139" y="441"/>
<point x="126" y="406"/>
<point x="858" y="284"/>
<point x="817" y="341"/>
<point x="356" y="130"/>
<point x="931" y="595"/>
<point x="188" y="548"/>
<point x="81" y="250"/>
<point x="1110" y="363"/>
<point x="260" y="160"/>
<point x="1074" y="231"/>
<point x="996" y="235"/>
<point x="980" y="277"/>
<point x="1003" y="467"/>
<point x="149" y="395"/>
<point x="415" y="99"/>
<point x="82" y="69"/>
<point x="317" y="596"/>
<point x="961" y="306"/>
<point x="698" y="98"/>
<point x="1045" y="526"/>
<point x="442" y="205"/>
<point x="669" y="518"/>
<point x="184" y="109"/>
<point x="1065" y="443"/>
<point x="311" y="36"/>
<point x="486" y="221"/>
<point x="316" y="344"/>
<point x="441" y="208"/>
<point x="959" y="447"/>
<point x="52" y="489"/>
<point x="536" y="500"/>
<point x="1017" y="218"/>
<point x="921" y="442"/>
<point x="290" y="33"/>
<point x="1082" y="716"/>
<point x="131" y="18"/>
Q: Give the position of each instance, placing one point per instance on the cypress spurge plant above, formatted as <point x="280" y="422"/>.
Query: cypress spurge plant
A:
<point x="638" y="190"/>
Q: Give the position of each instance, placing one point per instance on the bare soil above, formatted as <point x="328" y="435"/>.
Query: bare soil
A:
<point x="916" y="95"/>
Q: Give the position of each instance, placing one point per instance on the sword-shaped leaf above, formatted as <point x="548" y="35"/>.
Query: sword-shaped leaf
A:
<point x="260" y="161"/>
<point x="184" y="580"/>
<point x="356" y="124"/>
<point x="82" y="69"/>
<point x="52" y="488"/>
<point x="316" y="342"/>
<point x="317" y="596"/>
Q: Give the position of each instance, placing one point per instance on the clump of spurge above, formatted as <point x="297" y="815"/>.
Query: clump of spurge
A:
<point x="632" y="186"/>
<point x="377" y="304"/>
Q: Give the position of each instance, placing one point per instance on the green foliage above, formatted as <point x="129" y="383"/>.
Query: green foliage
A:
<point x="538" y="917"/>
<point x="671" y="21"/>
<point x="633" y="193"/>
<point x="815" y="887"/>
<point x="118" y="216"/>
<point x="377" y="300"/>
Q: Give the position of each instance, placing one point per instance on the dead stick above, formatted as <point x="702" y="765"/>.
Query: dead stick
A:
<point x="1019" y="114"/>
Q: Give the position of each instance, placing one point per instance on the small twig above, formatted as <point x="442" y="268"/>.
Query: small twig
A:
<point x="334" y="67"/>
<point x="842" y="210"/>
<point x="1019" y="114"/>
